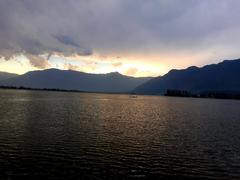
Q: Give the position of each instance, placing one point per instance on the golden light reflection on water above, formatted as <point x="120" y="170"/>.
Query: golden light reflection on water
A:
<point x="72" y="135"/>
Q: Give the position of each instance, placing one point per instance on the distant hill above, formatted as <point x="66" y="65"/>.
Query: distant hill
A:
<point x="224" y="76"/>
<point x="5" y="75"/>
<point x="74" y="80"/>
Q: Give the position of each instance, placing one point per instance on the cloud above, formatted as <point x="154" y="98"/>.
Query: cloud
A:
<point x="75" y="47"/>
<point x="118" y="27"/>
<point x="117" y="64"/>
<point x="66" y="40"/>
<point x="131" y="71"/>
<point x="7" y="54"/>
<point x="38" y="61"/>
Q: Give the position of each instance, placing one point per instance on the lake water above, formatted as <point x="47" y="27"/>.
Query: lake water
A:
<point x="100" y="136"/>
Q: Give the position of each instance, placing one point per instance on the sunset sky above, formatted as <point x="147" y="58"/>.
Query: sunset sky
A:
<point x="133" y="37"/>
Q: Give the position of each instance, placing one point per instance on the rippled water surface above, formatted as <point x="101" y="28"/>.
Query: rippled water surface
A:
<point x="98" y="136"/>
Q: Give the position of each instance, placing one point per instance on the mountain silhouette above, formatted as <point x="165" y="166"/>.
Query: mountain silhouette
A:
<point x="5" y="75"/>
<point x="74" y="80"/>
<point x="224" y="76"/>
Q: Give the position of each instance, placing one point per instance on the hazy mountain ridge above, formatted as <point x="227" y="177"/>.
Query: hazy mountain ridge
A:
<point x="224" y="76"/>
<point x="6" y="75"/>
<point x="69" y="80"/>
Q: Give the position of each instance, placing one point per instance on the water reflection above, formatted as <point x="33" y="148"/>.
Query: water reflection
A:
<point x="73" y="135"/>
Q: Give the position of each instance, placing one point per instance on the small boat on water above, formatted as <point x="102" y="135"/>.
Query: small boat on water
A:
<point x="133" y="96"/>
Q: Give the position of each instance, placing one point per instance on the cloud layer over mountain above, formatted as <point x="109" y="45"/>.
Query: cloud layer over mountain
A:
<point x="83" y="27"/>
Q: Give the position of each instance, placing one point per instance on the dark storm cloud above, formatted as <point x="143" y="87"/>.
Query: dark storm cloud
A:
<point x="117" y="26"/>
<point x="66" y="40"/>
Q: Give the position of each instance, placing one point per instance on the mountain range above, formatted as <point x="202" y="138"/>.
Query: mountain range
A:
<point x="74" y="80"/>
<point x="224" y="76"/>
<point x="5" y="75"/>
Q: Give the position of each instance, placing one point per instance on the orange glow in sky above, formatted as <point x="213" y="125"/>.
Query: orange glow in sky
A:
<point x="137" y="65"/>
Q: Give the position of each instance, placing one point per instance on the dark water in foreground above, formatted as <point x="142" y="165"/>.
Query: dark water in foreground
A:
<point x="96" y="136"/>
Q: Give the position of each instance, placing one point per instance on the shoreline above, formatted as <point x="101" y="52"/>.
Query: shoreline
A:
<point x="202" y="96"/>
<point x="58" y="90"/>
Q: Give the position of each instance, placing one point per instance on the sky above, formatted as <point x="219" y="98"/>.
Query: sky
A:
<point x="133" y="37"/>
